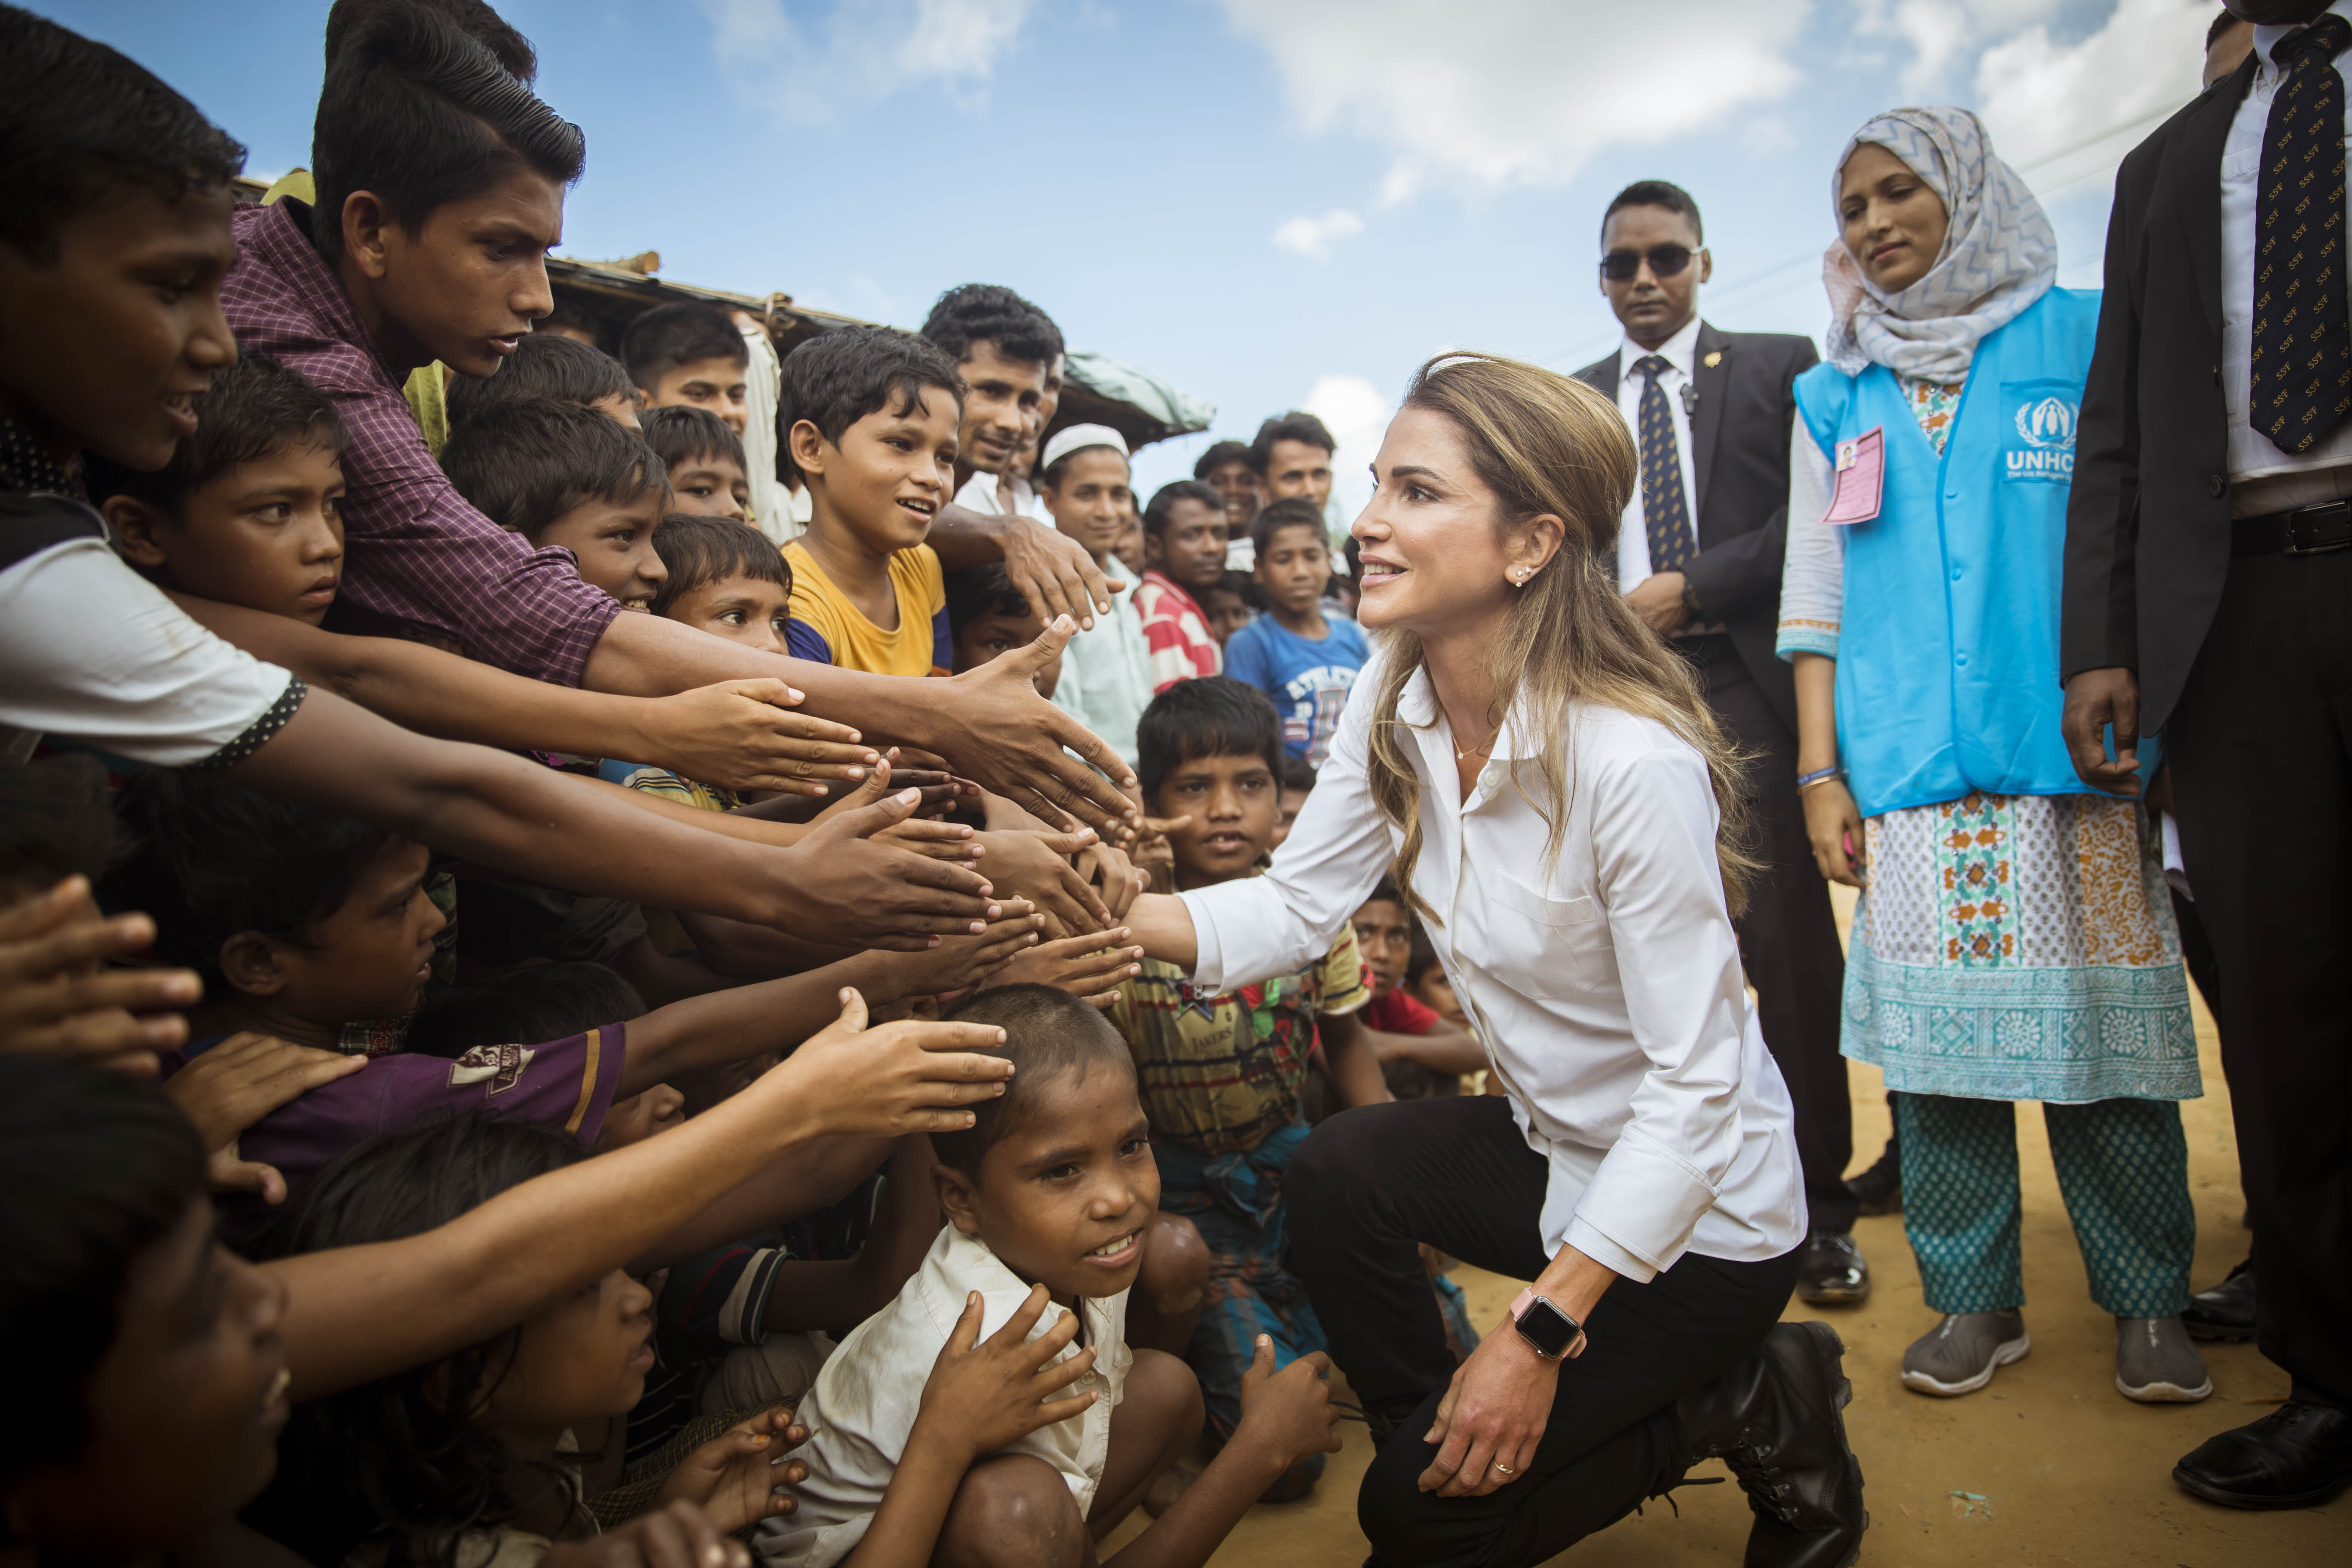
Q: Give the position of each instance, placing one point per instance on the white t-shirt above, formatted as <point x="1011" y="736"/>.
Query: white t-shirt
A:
<point x="863" y="1408"/>
<point x="91" y="651"/>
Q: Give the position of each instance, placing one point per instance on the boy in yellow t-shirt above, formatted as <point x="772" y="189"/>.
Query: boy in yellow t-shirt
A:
<point x="867" y="416"/>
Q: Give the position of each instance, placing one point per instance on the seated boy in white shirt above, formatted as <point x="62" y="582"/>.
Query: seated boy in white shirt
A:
<point x="1051" y="1189"/>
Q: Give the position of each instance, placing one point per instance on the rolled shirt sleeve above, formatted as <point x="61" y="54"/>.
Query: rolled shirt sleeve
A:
<point x="1813" y="579"/>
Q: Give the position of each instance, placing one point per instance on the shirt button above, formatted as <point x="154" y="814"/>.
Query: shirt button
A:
<point x="2217" y="487"/>
<point x="1960" y="658"/>
<point x="1955" y="573"/>
<point x="1951" y="495"/>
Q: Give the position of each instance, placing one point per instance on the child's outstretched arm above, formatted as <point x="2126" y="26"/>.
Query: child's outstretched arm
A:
<point x="357" y="1313"/>
<point x="981" y="1396"/>
<point x="1286" y="1415"/>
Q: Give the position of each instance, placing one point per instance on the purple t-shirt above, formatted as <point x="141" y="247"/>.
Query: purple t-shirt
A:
<point x="564" y="1083"/>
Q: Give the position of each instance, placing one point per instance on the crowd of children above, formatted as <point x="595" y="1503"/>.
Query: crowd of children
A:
<point x="608" y="1112"/>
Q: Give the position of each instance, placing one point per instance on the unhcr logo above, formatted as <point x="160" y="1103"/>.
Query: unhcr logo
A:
<point x="2046" y="430"/>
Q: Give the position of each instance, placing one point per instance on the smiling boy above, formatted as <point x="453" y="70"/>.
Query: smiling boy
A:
<point x="1184" y="532"/>
<point x="689" y="355"/>
<point x="567" y="478"/>
<point x="1303" y="661"/>
<point x="1009" y="354"/>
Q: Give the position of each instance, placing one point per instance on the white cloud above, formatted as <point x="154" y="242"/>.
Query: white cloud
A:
<point x="1358" y="414"/>
<point x="1501" y="93"/>
<point x="2040" y="98"/>
<point x="859" y="50"/>
<point x="1313" y="237"/>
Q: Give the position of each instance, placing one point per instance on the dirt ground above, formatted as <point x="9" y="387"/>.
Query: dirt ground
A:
<point x="2050" y="1465"/>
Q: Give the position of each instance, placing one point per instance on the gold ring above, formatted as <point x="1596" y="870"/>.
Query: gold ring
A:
<point x="1505" y="1470"/>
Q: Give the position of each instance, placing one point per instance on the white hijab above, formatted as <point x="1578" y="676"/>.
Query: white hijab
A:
<point x="1999" y="254"/>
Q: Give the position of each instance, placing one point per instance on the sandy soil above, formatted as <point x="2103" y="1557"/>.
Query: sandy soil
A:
<point x="2048" y="1466"/>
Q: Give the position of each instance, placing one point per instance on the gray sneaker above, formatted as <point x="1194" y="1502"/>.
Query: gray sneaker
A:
<point x="2157" y="1364"/>
<point x="1960" y="1354"/>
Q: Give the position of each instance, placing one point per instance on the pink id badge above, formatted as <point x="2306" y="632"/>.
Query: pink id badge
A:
<point x="1861" y="473"/>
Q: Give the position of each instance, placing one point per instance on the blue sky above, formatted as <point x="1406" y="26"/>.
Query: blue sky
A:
<point x="1271" y="203"/>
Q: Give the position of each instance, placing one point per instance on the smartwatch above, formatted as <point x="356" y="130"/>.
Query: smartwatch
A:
<point x="1552" y="1332"/>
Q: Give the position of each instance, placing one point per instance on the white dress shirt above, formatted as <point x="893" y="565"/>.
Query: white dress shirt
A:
<point x="2262" y="478"/>
<point x="865" y="1403"/>
<point x="1680" y="353"/>
<point x="1605" y="987"/>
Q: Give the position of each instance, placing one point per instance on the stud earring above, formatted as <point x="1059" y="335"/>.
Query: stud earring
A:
<point x="1518" y="574"/>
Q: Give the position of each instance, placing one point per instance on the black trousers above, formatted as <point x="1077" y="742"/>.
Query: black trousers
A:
<point x="1788" y="938"/>
<point x="2261" y="747"/>
<point x="1368" y="1184"/>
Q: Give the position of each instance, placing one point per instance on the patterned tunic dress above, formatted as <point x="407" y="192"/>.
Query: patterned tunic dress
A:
<point x="2008" y="947"/>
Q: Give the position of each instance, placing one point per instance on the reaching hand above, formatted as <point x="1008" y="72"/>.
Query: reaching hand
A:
<point x="1833" y="824"/>
<point x="960" y="963"/>
<point x="938" y="840"/>
<point x="1108" y="867"/>
<point x="981" y="1397"/>
<point x="741" y="735"/>
<point x="886" y="1082"/>
<point x="1287" y="1414"/>
<point x="677" y="1536"/>
<point x="860" y="893"/>
<point x="2094" y="700"/>
<point x="1053" y="572"/>
<point x="56" y="999"/>
<point x="1036" y="867"/>
<point x="1016" y="743"/>
<point x="1081" y="965"/>
<point x="738" y="1478"/>
<point x="239" y="1082"/>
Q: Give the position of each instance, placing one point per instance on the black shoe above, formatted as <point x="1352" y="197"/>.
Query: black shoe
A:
<point x="1879" y="1190"/>
<point x="1774" y="1420"/>
<point x="2298" y="1456"/>
<point x="2227" y="1310"/>
<point x="1830" y="1272"/>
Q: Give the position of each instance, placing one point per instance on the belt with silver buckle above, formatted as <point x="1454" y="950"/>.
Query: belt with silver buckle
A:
<point x="2305" y="531"/>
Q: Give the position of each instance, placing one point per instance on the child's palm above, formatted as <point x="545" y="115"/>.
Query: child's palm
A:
<point x="735" y="1477"/>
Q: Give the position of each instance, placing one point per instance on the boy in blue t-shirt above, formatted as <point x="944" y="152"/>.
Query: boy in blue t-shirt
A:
<point x="1305" y="662"/>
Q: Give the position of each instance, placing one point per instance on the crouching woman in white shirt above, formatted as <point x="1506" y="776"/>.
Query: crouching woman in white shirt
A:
<point x="1541" y="772"/>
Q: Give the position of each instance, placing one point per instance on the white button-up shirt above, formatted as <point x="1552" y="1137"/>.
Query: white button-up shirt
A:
<point x="2262" y="478"/>
<point x="1680" y="352"/>
<point x="1605" y="985"/>
<point x="864" y="1405"/>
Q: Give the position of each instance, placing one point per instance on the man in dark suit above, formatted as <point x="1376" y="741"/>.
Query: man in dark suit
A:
<point x="1699" y="558"/>
<point x="2208" y="597"/>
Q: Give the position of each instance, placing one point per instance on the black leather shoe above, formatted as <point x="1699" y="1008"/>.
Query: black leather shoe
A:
<point x="2227" y="1310"/>
<point x="1879" y="1190"/>
<point x="1774" y="1419"/>
<point x="2298" y="1456"/>
<point x="1830" y="1272"/>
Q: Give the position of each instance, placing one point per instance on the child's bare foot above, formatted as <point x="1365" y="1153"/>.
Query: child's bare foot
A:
<point x="1161" y="1494"/>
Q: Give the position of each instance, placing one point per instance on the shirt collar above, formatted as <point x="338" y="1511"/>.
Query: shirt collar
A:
<point x="2267" y="36"/>
<point x="1417" y="707"/>
<point x="1679" y="351"/>
<point x="278" y="237"/>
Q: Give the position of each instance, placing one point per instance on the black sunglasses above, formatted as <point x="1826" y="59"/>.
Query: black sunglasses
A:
<point x="1665" y="261"/>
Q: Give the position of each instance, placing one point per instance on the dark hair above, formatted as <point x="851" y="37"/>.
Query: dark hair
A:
<point x="835" y="380"/>
<point x="990" y="313"/>
<point x="76" y="118"/>
<point x="1162" y="504"/>
<point x="542" y="365"/>
<point x="1296" y="773"/>
<point x="1294" y="425"/>
<point x="1212" y="716"/>
<point x="572" y="313"/>
<point x="1424" y="951"/>
<point x="669" y="336"/>
<point x="2221" y="24"/>
<point x="1218" y="454"/>
<point x="479" y="23"/>
<point x="214" y="858"/>
<point x="1656" y="193"/>
<point x="525" y="464"/>
<point x="1291" y="511"/>
<point x="404" y="1453"/>
<point x="699" y="549"/>
<point x="1386" y="889"/>
<point x="99" y="1167"/>
<point x="523" y="1006"/>
<point x="679" y="433"/>
<point x="256" y="407"/>
<point x="1047" y="1033"/>
<point x="423" y="114"/>
<point x="57" y="818"/>
<point x="983" y="590"/>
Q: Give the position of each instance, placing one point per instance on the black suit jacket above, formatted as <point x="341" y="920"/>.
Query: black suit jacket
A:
<point x="1739" y="463"/>
<point x="2147" y="522"/>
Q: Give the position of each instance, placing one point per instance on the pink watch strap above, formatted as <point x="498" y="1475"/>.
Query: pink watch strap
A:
<point x="1521" y="1303"/>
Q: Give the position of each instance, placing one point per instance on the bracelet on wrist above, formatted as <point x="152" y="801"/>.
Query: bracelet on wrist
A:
<point x="1819" y="776"/>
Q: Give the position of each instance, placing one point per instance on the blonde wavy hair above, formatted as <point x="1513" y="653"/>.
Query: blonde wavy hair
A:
<point x="1547" y="443"/>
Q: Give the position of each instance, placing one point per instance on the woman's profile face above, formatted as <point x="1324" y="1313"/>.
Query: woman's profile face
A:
<point x="1894" y="224"/>
<point x="1431" y="558"/>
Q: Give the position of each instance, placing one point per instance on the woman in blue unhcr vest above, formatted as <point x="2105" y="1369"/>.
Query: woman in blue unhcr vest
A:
<point x="2015" y="941"/>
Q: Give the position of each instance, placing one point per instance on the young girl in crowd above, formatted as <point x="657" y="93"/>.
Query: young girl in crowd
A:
<point x="2015" y="941"/>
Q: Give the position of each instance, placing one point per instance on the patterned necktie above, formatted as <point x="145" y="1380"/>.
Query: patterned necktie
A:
<point x="2301" y="382"/>
<point x="1665" y="515"/>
